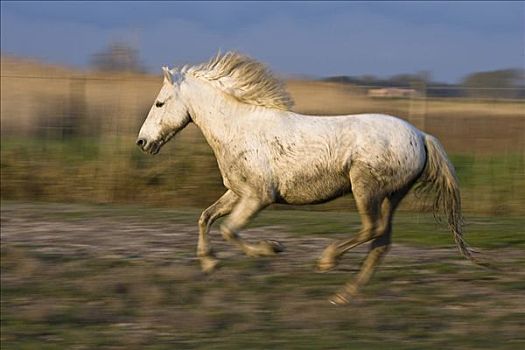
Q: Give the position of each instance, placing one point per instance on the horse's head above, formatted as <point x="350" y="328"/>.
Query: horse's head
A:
<point x="168" y="115"/>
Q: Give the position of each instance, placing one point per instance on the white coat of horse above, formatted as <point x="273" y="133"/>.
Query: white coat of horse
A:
<point x="268" y="154"/>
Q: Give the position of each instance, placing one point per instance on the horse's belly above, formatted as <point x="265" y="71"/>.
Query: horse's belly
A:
<point x="312" y="190"/>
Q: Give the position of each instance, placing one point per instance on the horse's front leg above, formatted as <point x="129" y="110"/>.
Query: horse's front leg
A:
<point x="244" y="210"/>
<point x="223" y="206"/>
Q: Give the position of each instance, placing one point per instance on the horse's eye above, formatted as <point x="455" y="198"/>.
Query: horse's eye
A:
<point x="159" y="104"/>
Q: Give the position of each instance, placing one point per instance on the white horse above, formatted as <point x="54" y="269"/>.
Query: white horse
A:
<point x="268" y="154"/>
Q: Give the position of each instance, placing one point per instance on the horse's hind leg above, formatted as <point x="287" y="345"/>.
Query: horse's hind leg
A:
<point x="223" y="206"/>
<point x="244" y="210"/>
<point x="379" y="247"/>
<point x="368" y="205"/>
<point x="378" y="250"/>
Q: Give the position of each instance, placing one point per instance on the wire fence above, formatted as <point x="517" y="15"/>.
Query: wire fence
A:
<point x="71" y="138"/>
<point x="72" y="101"/>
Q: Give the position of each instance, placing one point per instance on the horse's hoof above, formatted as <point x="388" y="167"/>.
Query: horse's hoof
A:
<point x="264" y="248"/>
<point x="339" y="299"/>
<point x="277" y="247"/>
<point x="325" y="265"/>
<point x="329" y="259"/>
<point x="209" y="264"/>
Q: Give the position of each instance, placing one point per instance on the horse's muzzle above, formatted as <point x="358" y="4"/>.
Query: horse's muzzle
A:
<point x="141" y="143"/>
<point x="148" y="147"/>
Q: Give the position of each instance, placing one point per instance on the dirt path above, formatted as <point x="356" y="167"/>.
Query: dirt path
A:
<point x="126" y="281"/>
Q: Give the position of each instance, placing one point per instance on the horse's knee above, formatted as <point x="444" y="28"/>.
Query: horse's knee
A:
<point x="204" y="219"/>
<point x="329" y="258"/>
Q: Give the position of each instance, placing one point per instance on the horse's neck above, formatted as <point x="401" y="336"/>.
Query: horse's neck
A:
<point x="220" y="118"/>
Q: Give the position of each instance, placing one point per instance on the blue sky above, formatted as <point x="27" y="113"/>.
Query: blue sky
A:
<point x="448" y="39"/>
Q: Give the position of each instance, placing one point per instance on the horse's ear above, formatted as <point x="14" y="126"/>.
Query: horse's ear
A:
<point x="168" y="75"/>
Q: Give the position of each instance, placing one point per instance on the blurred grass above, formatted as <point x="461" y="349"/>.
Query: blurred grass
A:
<point x="117" y="269"/>
<point x="415" y="229"/>
<point x="185" y="174"/>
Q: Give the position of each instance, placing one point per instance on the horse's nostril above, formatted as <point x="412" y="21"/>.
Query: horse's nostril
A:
<point x="141" y="143"/>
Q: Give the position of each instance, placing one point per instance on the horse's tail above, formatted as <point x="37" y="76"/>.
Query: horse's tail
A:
<point x="439" y="176"/>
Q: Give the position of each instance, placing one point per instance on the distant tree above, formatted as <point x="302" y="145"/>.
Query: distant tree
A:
<point x="418" y="81"/>
<point x="406" y="80"/>
<point x="368" y="78"/>
<point x="118" y="57"/>
<point x="503" y="83"/>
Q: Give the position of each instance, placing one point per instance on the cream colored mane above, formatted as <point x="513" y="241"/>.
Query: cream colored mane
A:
<point x="244" y="78"/>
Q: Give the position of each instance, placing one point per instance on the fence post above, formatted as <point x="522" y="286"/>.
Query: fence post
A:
<point x="418" y="105"/>
<point x="73" y="120"/>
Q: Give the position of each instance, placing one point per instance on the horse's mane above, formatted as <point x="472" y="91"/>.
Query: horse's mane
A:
<point x="244" y="78"/>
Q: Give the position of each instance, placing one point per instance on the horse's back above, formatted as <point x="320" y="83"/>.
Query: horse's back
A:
<point x="315" y="163"/>
<point x="388" y="148"/>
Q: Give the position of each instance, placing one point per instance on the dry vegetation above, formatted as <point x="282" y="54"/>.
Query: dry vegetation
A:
<point x="116" y="104"/>
<point x="69" y="136"/>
